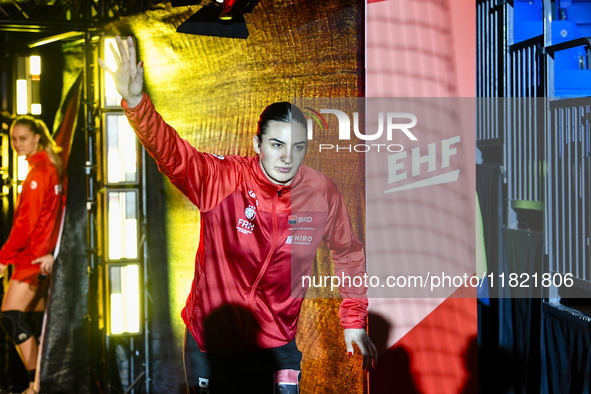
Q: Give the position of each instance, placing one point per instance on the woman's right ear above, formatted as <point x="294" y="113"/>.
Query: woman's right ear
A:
<point x="256" y="144"/>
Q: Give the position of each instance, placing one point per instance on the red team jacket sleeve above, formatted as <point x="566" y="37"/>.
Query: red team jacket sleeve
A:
<point x="26" y="217"/>
<point x="348" y="255"/>
<point x="195" y="174"/>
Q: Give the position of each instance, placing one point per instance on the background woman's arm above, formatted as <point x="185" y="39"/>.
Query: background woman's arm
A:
<point x="28" y="212"/>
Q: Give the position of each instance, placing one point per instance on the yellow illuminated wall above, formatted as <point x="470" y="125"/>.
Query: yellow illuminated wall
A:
<point x="212" y="91"/>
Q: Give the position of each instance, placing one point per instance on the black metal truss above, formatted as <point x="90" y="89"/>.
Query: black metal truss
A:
<point x="64" y="15"/>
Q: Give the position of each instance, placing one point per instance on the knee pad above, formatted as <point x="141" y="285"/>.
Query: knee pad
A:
<point x="35" y="322"/>
<point x="287" y="381"/>
<point x="16" y="326"/>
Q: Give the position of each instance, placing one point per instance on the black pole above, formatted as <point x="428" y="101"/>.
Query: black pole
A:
<point x="146" y="265"/>
<point x="91" y="203"/>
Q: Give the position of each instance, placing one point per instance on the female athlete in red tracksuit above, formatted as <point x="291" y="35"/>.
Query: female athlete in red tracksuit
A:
<point x="33" y="235"/>
<point x="262" y="220"/>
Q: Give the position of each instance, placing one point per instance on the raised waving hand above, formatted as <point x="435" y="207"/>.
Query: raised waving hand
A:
<point x="129" y="76"/>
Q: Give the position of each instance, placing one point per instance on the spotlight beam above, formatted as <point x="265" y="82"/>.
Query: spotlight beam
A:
<point x="57" y="37"/>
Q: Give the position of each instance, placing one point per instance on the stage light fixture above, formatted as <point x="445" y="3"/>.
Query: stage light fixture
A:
<point x="28" y="85"/>
<point x="35" y="65"/>
<point x="35" y="90"/>
<point x="122" y="224"/>
<point x="219" y="20"/>
<point x="22" y="97"/>
<point x="124" y="299"/>
<point x="238" y="6"/>
<point x="121" y="149"/>
<point x="121" y="206"/>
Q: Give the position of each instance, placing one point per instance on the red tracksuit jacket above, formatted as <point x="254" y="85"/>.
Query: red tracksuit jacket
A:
<point x="36" y="219"/>
<point x="257" y="240"/>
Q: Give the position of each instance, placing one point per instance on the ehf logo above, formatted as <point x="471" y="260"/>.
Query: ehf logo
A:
<point x="437" y="157"/>
<point x="250" y="212"/>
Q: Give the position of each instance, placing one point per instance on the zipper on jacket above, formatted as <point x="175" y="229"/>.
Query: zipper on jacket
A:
<point x="268" y="259"/>
<point x="265" y="264"/>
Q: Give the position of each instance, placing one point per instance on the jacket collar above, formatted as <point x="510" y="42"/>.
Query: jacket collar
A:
<point x="37" y="157"/>
<point x="266" y="183"/>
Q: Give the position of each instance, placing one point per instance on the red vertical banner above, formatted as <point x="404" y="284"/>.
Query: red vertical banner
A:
<point x="64" y="135"/>
<point x="420" y="201"/>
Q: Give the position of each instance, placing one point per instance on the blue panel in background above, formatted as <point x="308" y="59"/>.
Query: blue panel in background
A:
<point x="524" y="30"/>
<point x="577" y="11"/>
<point x="528" y="10"/>
<point x="585" y="29"/>
<point x="571" y="78"/>
<point x="572" y="83"/>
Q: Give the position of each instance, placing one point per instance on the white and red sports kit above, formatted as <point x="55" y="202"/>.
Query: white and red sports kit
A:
<point x="36" y="222"/>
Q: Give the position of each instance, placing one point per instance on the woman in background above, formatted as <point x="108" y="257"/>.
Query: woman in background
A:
<point x="33" y="236"/>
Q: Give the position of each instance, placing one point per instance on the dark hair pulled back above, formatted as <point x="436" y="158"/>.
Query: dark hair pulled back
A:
<point x="279" y="112"/>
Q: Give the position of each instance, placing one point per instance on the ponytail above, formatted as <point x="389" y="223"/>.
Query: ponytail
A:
<point x="54" y="157"/>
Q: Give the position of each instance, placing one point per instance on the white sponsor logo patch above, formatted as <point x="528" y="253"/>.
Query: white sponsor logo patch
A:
<point x="245" y="226"/>
<point x="250" y="212"/>
<point x="33" y="185"/>
<point x="219" y="156"/>
<point x="302" y="239"/>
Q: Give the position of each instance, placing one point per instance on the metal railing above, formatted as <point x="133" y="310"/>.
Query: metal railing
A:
<point x="545" y="144"/>
<point x="524" y="132"/>
<point x="491" y="60"/>
<point x="524" y="142"/>
<point x="527" y="68"/>
<point x="568" y="194"/>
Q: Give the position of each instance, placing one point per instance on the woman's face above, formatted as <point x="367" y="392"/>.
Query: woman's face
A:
<point x="24" y="141"/>
<point x="282" y="150"/>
